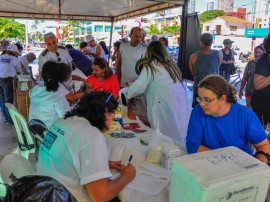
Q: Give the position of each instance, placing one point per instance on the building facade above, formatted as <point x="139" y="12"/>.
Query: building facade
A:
<point x="225" y="5"/>
<point x="210" y="5"/>
<point x="262" y="13"/>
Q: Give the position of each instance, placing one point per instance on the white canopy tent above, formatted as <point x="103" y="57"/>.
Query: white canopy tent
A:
<point x="88" y="10"/>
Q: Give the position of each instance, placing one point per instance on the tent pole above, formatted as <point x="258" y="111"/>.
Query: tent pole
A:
<point x="183" y="35"/>
<point x="110" y="44"/>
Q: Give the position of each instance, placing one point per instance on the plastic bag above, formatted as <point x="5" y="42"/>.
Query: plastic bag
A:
<point x="38" y="188"/>
<point x="156" y="146"/>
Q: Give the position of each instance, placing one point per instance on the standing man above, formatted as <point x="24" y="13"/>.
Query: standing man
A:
<point x="228" y="60"/>
<point x="10" y="66"/>
<point x="130" y="53"/>
<point x="203" y="63"/>
<point x="81" y="61"/>
<point x="53" y="52"/>
<point x="95" y="49"/>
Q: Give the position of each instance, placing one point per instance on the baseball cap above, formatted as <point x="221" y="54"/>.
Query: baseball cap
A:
<point x="13" y="48"/>
<point x="31" y="55"/>
<point x="89" y="38"/>
<point x="227" y="41"/>
<point x="154" y="38"/>
<point x="207" y="39"/>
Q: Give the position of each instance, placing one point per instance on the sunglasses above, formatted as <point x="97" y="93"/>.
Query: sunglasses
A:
<point x="58" y="57"/>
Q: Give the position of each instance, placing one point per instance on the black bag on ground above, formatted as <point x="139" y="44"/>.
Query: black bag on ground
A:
<point x="38" y="188"/>
<point x="233" y="69"/>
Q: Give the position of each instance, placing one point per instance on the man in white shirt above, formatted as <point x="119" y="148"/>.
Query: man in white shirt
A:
<point x="130" y="53"/>
<point x="53" y="52"/>
<point x="95" y="49"/>
<point x="9" y="67"/>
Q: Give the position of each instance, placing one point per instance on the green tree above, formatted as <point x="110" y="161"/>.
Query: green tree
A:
<point x="72" y="25"/>
<point x="153" y="29"/>
<point x="209" y="15"/>
<point x="171" y="29"/>
<point x="9" y="28"/>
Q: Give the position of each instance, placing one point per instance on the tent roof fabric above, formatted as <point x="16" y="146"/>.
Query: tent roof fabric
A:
<point x="88" y="10"/>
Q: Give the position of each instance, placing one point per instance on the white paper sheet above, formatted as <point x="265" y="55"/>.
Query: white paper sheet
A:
<point x="150" y="179"/>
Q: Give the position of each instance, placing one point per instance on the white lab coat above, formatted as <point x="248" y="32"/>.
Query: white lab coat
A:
<point x="167" y="104"/>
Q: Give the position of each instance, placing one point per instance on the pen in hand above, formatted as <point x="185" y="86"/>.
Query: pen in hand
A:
<point x="130" y="159"/>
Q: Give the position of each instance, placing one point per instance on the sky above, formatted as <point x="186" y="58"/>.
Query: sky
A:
<point x="201" y="4"/>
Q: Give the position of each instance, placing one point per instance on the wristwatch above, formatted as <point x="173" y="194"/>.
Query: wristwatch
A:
<point x="265" y="154"/>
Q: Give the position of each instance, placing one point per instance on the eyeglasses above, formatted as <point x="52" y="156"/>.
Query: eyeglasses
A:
<point x="206" y="100"/>
<point x="58" y="56"/>
<point x="108" y="98"/>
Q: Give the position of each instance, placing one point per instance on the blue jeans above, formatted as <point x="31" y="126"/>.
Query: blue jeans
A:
<point x="6" y="95"/>
<point x="225" y="73"/>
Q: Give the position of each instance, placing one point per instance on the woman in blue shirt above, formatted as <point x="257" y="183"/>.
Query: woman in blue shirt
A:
<point x="219" y="121"/>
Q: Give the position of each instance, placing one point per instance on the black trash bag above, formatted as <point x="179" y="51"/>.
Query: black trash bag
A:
<point x="38" y="188"/>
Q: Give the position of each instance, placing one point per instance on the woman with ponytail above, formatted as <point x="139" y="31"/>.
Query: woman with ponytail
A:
<point x="219" y="121"/>
<point x="49" y="101"/>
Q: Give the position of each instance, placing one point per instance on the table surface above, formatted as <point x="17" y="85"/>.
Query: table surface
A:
<point x="120" y="149"/>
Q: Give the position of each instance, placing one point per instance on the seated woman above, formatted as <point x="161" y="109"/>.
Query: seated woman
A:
<point x="74" y="151"/>
<point x="167" y="104"/>
<point x="48" y="102"/>
<point x="219" y="121"/>
<point x="103" y="78"/>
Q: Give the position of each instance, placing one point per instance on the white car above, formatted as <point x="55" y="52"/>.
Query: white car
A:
<point x="217" y="47"/>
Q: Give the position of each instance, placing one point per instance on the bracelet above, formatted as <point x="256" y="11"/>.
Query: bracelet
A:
<point x="263" y="153"/>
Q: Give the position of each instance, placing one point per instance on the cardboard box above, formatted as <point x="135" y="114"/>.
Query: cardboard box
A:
<point x="222" y="175"/>
<point x="23" y="87"/>
<point x="23" y="104"/>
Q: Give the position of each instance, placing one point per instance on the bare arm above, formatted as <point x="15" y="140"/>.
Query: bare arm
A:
<point x="98" y="51"/>
<point x="118" y="68"/>
<point x="104" y="190"/>
<point x="220" y="55"/>
<point x="203" y="149"/>
<point x="243" y="82"/>
<point x="192" y="61"/>
<point x="265" y="147"/>
<point x="261" y="82"/>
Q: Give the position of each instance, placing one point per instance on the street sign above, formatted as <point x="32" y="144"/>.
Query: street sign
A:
<point x="256" y="32"/>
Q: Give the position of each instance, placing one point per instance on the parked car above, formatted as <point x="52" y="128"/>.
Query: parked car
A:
<point x="217" y="47"/>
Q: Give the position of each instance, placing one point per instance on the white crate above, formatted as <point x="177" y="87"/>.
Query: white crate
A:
<point x="221" y="175"/>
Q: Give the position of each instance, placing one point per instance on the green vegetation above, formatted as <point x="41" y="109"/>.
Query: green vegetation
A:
<point x="169" y="29"/>
<point x="209" y="15"/>
<point x="9" y="28"/>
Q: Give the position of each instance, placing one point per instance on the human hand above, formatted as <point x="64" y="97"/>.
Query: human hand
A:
<point x="88" y="86"/>
<point x="129" y="172"/>
<point x="116" y="165"/>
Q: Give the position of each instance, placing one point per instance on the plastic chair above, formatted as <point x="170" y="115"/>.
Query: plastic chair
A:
<point x="25" y="140"/>
<point x="37" y="129"/>
<point x="15" y="166"/>
<point x="123" y="96"/>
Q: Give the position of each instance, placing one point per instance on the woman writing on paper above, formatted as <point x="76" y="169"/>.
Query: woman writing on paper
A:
<point x="74" y="151"/>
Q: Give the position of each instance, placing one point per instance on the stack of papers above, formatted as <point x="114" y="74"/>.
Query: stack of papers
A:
<point x="150" y="179"/>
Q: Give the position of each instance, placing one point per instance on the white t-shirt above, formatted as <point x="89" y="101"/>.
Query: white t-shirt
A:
<point x="129" y="57"/>
<point x="48" y="106"/>
<point x="9" y="66"/>
<point x="94" y="50"/>
<point x="74" y="153"/>
<point x="77" y="84"/>
<point x="25" y="63"/>
<point x="104" y="55"/>
<point x="46" y="55"/>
